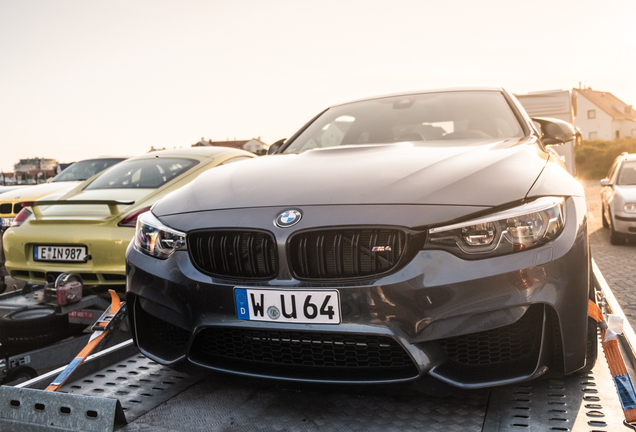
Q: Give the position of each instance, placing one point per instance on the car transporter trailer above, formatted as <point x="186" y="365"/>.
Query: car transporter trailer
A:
<point x="120" y="389"/>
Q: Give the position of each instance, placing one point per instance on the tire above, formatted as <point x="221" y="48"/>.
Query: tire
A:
<point x="615" y="238"/>
<point x="605" y="223"/>
<point x="591" y="349"/>
<point x="21" y="375"/>
<point x="32" y="328"/>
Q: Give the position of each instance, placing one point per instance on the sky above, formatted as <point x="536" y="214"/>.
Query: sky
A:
<point x="83" y="78"/>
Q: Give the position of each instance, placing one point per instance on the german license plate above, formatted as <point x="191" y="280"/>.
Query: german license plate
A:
<point x="60" y="253"/>
<point x="6" y="222"/>
<point x="320" y="307"/>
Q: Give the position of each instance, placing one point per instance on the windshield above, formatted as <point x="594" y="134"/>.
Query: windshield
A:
<point x="419" y="117"/>
<point x="83" y="170"/>
<point x="142" y="173"/>
<point x="627" y="175"/>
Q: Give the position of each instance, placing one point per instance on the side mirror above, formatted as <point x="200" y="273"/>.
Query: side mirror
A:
<point x="605" y="182"/>
<point x="554" y="131"/>
<point x="274" y="147"/>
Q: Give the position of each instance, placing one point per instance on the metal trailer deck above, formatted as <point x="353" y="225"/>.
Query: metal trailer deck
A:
<point x="151" y="397"/>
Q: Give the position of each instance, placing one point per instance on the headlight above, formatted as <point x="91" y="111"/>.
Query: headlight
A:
<point x="512" y="230"/>
<point x="630" y="208"/>
<point x="155" y="239"/>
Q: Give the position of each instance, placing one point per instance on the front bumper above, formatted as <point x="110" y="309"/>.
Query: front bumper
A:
<point x="469" y="323"/>
<point x="624" y="223"/>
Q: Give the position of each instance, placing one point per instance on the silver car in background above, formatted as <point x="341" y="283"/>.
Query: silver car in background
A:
<point x="618" y="199"/>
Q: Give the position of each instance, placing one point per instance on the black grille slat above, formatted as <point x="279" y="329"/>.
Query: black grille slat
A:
<point x="240" y="254"/>
<point x="337" y="242"/>
<point x="236" y="249"/>
<point x="6" y="208"/>
<point x="312" y="353"/>
<point x="346" y="253"/>
<point x="354" y="255"/>
<point x="17" y="207"/>
<point x="225" y="267"/>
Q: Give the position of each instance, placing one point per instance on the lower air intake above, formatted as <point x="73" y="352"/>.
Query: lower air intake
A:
<point x="498" y="346"/>
<point x="315" y="356"/>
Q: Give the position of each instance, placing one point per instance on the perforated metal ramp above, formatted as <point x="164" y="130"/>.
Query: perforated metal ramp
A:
<point x="156" y="398"/>
<point x="579" y="403"/>
<point x="138" y="383"/>
<point x="222" y="403"/>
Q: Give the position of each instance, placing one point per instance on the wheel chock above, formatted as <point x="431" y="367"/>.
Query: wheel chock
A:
<point x="24" y="409"/>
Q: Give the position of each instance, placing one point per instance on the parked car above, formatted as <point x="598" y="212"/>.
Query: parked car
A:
<point x="13" y="198"/>
<point x="618" y="199"/>
<point x="11" y="201"/>
<point x="9" y="188"/>
<point x="430" y="234"/>
<point x="86" y="230"/>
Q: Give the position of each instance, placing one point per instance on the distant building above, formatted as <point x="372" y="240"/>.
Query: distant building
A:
<point x="601" y="115"/>
<point x="255" y="145"/>
<point x="35" y="164"/>
<point x="35" y="170"/>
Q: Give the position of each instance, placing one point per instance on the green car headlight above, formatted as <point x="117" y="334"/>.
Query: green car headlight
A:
<point x="516" y="229"/>
<point x="153" y="238"/>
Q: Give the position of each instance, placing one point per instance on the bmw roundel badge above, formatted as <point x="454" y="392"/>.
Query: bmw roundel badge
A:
<point x="288" y="218"/>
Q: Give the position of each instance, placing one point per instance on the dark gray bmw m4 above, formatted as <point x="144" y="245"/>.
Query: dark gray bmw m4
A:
<point x="428" y="234"/>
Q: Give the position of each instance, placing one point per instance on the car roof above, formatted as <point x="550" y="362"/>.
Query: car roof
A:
<point x="629" y="156"/>
<point x="201" y="152"/>
<point x="101" y="158"/>
<point x="440" y="90"/>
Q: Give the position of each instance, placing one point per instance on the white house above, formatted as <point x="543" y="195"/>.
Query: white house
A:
<point x="255" y="145"/>
<point x="601" y="115"/>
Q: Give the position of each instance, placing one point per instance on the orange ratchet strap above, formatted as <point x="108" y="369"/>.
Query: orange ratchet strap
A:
<point x="101" y="329"/>
<point x="617" y="368"/>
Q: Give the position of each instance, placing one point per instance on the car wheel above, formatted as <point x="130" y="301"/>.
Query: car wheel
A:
<point x="32" y="328"/>
<point x="605" y="223"/>
<point x="591" y="350"/>
<point x="616" y="238"/>
<point x="21" y="375"/>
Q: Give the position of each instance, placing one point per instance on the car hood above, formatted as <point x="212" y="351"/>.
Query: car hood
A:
<point x="628" y="192"/>
<point x="31" y="193"/>
<point x="483" y="173"/>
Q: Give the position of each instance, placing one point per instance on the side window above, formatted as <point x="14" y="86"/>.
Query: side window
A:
<point x="331" y="134"/>
<point x="613" y="170"/>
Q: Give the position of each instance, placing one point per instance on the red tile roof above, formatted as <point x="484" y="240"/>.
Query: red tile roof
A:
<point x="609" y="103"/>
